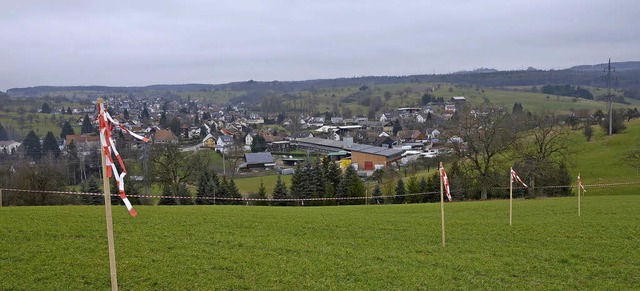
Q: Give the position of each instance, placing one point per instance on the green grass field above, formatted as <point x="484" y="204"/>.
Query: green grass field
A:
<point x="350" y="247"/>
<point x="251" y="185"/>
<point x="40" y="123"/>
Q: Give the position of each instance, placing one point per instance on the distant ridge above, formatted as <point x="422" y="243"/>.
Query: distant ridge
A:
<point x="478" y="71"/>
<point x="586" y="75"/>
<point x="620" y="66"/>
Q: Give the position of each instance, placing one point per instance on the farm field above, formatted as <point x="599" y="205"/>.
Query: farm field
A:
<point x="346" y="247"/>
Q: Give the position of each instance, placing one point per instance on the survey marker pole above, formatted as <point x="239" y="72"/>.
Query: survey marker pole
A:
<point x="442" y="203"/>
<point x="107" y="206"/>
<point x="578" y="195"/>
<point x="510" y="196"/>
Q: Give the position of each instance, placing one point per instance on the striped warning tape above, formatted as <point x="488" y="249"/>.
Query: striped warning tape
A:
<point x="456" y="193"/>
<point x="223" y="198"/>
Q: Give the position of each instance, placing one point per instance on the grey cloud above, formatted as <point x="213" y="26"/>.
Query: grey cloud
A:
<point x="149" y="42"/>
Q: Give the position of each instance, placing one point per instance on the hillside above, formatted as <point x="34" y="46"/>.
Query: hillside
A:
<point x="602" y="160"/>
<point x="627" y="76"/>
<point x="620" y="66"/>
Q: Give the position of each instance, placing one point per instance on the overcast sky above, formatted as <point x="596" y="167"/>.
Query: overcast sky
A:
<point x="143" y="42"/>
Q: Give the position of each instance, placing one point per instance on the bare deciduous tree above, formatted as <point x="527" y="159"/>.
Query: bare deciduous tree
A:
<point x="545" y="145"/>
<point x="486" y="134"/>
<point x="172" y="167"/>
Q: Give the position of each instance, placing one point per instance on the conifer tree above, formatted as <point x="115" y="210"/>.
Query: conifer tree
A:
<point x="400" y="192"/>
<point x="67" y="129"/>
<point x="234" y="192"/>
<point x="356" y="189"/>
<point x="50" y="145"/>
<point x="32" y="146"/>
<point x="332" y="177"/>
<point x="206" y="189"/>
<point x="350" y="186"/>
<point x="73" y="163"/>
<point x="262" y="194"/>
<point x="164" y="122"/>
<point x="298" y="181"/>
<point x="3" y="133"/>
<point x="185" y="195"/>
<point x="223" y="191"/>
<point x="91" y="186"/>
<point x="280" y="192"/>
<point x="413" y="187"/>
<point x="87" y="127"/>
<point x="319" y="183"/>
<point x="45" y="108"/>
<point x="145" y="114"/>
<point x="423" y="185"/>
<point x="342" y="188"/>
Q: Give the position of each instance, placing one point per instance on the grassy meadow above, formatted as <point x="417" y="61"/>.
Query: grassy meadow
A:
<point x="40" y="123"/>
<point x="345" y="247"/>
<point x="403" y="95"/>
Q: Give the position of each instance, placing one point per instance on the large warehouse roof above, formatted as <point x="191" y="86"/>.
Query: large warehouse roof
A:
<point x="339" y="145"/>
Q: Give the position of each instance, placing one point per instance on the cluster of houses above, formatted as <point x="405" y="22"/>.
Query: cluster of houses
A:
<point x="366" y="144"/>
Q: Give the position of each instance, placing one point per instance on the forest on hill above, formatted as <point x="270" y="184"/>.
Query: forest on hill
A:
<point x="626" y="79"/>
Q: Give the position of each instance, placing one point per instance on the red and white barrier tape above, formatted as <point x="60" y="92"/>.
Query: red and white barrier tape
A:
<point x="107" y="124"/>
<point x="299" y="199"/>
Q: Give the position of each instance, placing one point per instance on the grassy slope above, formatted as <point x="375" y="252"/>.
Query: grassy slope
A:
<point x="351" y="247"/>
<point x="530" y="101"/>
<point x="41" y="123"/>
<point x="602" y="161"/>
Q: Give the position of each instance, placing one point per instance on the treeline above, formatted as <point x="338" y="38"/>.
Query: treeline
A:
<point x="567" y="90"/>
<point x="626" y="80"/>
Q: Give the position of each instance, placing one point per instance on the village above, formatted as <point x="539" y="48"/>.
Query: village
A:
<point x="392" y="139"/>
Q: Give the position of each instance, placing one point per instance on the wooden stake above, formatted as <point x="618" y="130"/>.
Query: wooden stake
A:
<point x="442" y="203"/>
<point x="107" y="208"/>
<point x="0" y="197"/>
<point x="510" y="196"/>
<point x="578" y="196"/>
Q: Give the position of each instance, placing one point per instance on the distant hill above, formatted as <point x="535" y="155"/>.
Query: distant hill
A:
<point x="627" y="76"/>
<point x="478" y="71"/>
<point x="619" y="66"/>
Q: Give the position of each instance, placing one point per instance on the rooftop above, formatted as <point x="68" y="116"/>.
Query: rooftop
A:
<point x="258" y="158"/>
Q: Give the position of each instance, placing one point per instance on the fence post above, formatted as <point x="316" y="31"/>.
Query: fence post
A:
<point x="0" y="197"/>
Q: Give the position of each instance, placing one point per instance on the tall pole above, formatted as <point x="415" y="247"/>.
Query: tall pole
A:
<point x="510" y="196"/>
<point x="442" y="203"/>
<point x="107" y="208"/>
<point x="609" y="98"/>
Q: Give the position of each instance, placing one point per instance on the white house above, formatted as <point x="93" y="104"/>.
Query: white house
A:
<point x="223" y="142"/>
<point x="9" y="146"/>
<point x="248" y="139"/>
<point x="383" y="118"/>
<point x="432" y="133"/>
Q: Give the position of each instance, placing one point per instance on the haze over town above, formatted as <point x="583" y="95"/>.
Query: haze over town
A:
<point x="120" y="43"/>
